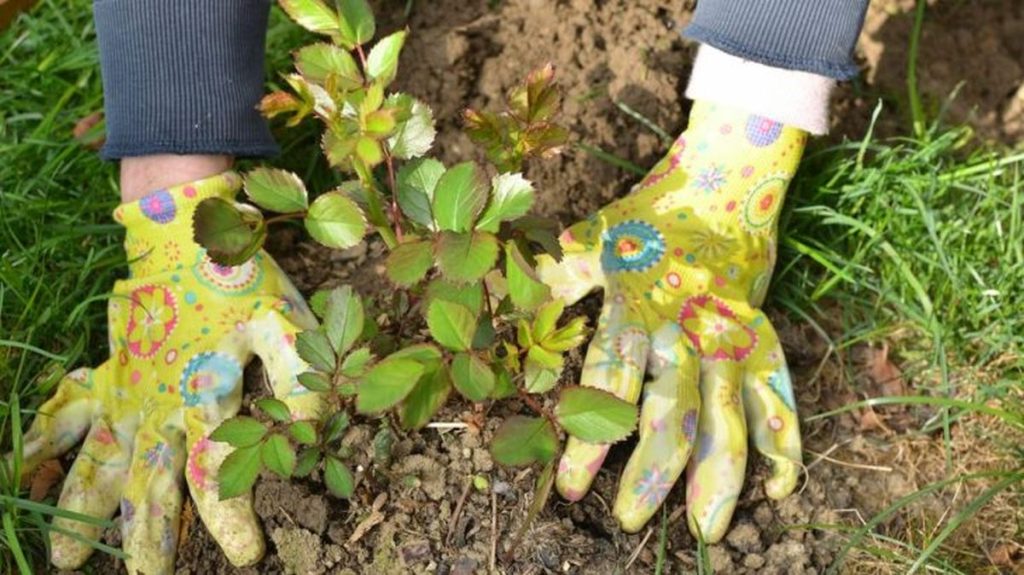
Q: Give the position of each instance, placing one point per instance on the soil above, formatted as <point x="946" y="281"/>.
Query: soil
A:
<point x="405" y="517"/>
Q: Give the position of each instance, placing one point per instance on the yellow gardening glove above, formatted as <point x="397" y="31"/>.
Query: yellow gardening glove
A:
<point x="684" y="262"/>
<point x="181" y="330"/>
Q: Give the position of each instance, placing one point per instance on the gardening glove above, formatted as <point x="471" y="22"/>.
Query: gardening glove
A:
<point x="181" y="330"/>
<point x="684" y="262"/>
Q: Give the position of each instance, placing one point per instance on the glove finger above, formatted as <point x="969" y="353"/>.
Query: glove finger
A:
<point x="579" y="271"/>
<point x="615" y="363"/>
<point x="291" y="303"/>
<point x="273" y="341"/>
<point x="668" y="426"/>
<point x="151" y="507"/>
<point x="715" y="474"/>
<point x="771" y="412"/>
<point x="232" y="522"/>
<point x="61" y="422"/>
<point x="92" y="487"/>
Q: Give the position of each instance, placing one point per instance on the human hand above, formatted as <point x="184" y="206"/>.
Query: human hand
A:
<point x="181" y="330"/>
<point x="684" y="262"/>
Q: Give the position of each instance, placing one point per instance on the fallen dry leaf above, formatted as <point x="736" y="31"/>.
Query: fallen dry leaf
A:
<point x="188" y="517"/>
<point x="887" y="378"/>
<point x="9" y="10"/>
<point x="371" y="520"/>
<point x="90" y="131"/>
<point x="48" y="474"/>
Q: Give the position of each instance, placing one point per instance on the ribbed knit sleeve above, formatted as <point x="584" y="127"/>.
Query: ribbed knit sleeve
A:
<point x="183" y="76"/>
<point x="816" y="36"/>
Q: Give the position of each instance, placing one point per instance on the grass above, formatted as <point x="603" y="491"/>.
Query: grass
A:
<point x="917" y="239"/>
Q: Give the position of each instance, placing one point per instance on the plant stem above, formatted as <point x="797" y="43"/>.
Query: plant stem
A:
<point x="916" y="108"/>
<point x="285" y="217"/>
<point x="532" y="403"/>
<point x="362" y="56"/>
<point x="396" y="215"/>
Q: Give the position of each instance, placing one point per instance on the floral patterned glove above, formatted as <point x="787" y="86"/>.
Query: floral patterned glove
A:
<point x="684" y="262"/>
<point x="181" y="330"/>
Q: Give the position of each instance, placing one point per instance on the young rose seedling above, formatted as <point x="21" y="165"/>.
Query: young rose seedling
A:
<point x="468" y="312"/>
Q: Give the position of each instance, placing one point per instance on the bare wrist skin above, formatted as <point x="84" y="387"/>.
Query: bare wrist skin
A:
<point x="143" y="174"/>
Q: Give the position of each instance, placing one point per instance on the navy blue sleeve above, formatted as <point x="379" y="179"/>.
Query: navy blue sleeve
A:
<point x="183" y="76"/>
<point x="816" y="36"/>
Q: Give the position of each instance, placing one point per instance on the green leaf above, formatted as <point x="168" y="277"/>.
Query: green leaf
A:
<point x="231" y="233"/>
<point x="306" y="462"/>
<point x="546" y="318"/>
<point x="409" y="263"/>
<point x="386" y="384"/>
<point x="503" y="386"/>
<point x="343" y="319"/>
<point x="573" y="334"/>
<point x="318" y="62"/>
<point x="594" y="415"/>
<point x="241" y="431"/>
<point x="472" y="377"/>
<point x="315" y="349"/>
<point x="336" y="221"/>
<point x="354" y="364"/>
<point x="238" y="472"/>
<point x="369" y="150"/>
<point x="416" y="182"/>
<point x="315" y="381"/>
<point x="511" y="197"/>
<point x="522" y="441"/>
<point x="313" y="15"/>
<point x="338" y="478"/>
<point x="415" y="133"/>
<point x="303" y="432"/>
<point x="275" y="408"/>
<point x="279" y="455"/>
<point x="426" y="354"/>
<point x="469" y="295"/>
<point x="536" y="98"/>
<point x="276" y="190"/>
<point x="524" y="287"/>
<point x="465" y="258"/>
<point x="382" y="61"/>
<point x="318" y="302"/>
<point x="336" y="425"/>
<point x="459" y="198"/>
<point x="451" y="325"/>
<point x="542" y="369"/>
<point x="425" y="399"/>
<point x="357" y="23"/>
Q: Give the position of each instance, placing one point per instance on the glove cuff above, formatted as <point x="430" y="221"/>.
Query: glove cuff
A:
<point x="791" y="97"/>
<point x="160" y="223"/>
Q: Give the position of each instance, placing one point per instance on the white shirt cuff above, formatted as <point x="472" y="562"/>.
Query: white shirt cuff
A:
<point x="792" y="97"/>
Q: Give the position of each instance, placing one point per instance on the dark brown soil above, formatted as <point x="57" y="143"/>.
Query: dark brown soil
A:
<point x="465" y="53"/>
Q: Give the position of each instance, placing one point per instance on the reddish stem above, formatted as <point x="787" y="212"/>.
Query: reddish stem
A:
<point x="362" y="56"/>
<point x="396" y="215"/>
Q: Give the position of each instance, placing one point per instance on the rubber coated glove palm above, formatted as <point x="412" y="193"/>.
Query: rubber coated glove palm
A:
<point x="684" y="262"/>
<point x="181" y="330"/>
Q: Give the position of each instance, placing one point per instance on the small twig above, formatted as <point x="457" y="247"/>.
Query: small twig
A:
<point x="639" y="548"/>
<point x="494" y="529"/>
<point x="825" y="457"/>
<point x="447" y="425"/>
<point x="458" y="512"/>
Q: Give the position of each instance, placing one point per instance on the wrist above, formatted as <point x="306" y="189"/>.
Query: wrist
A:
<point x="144" y="174"/>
